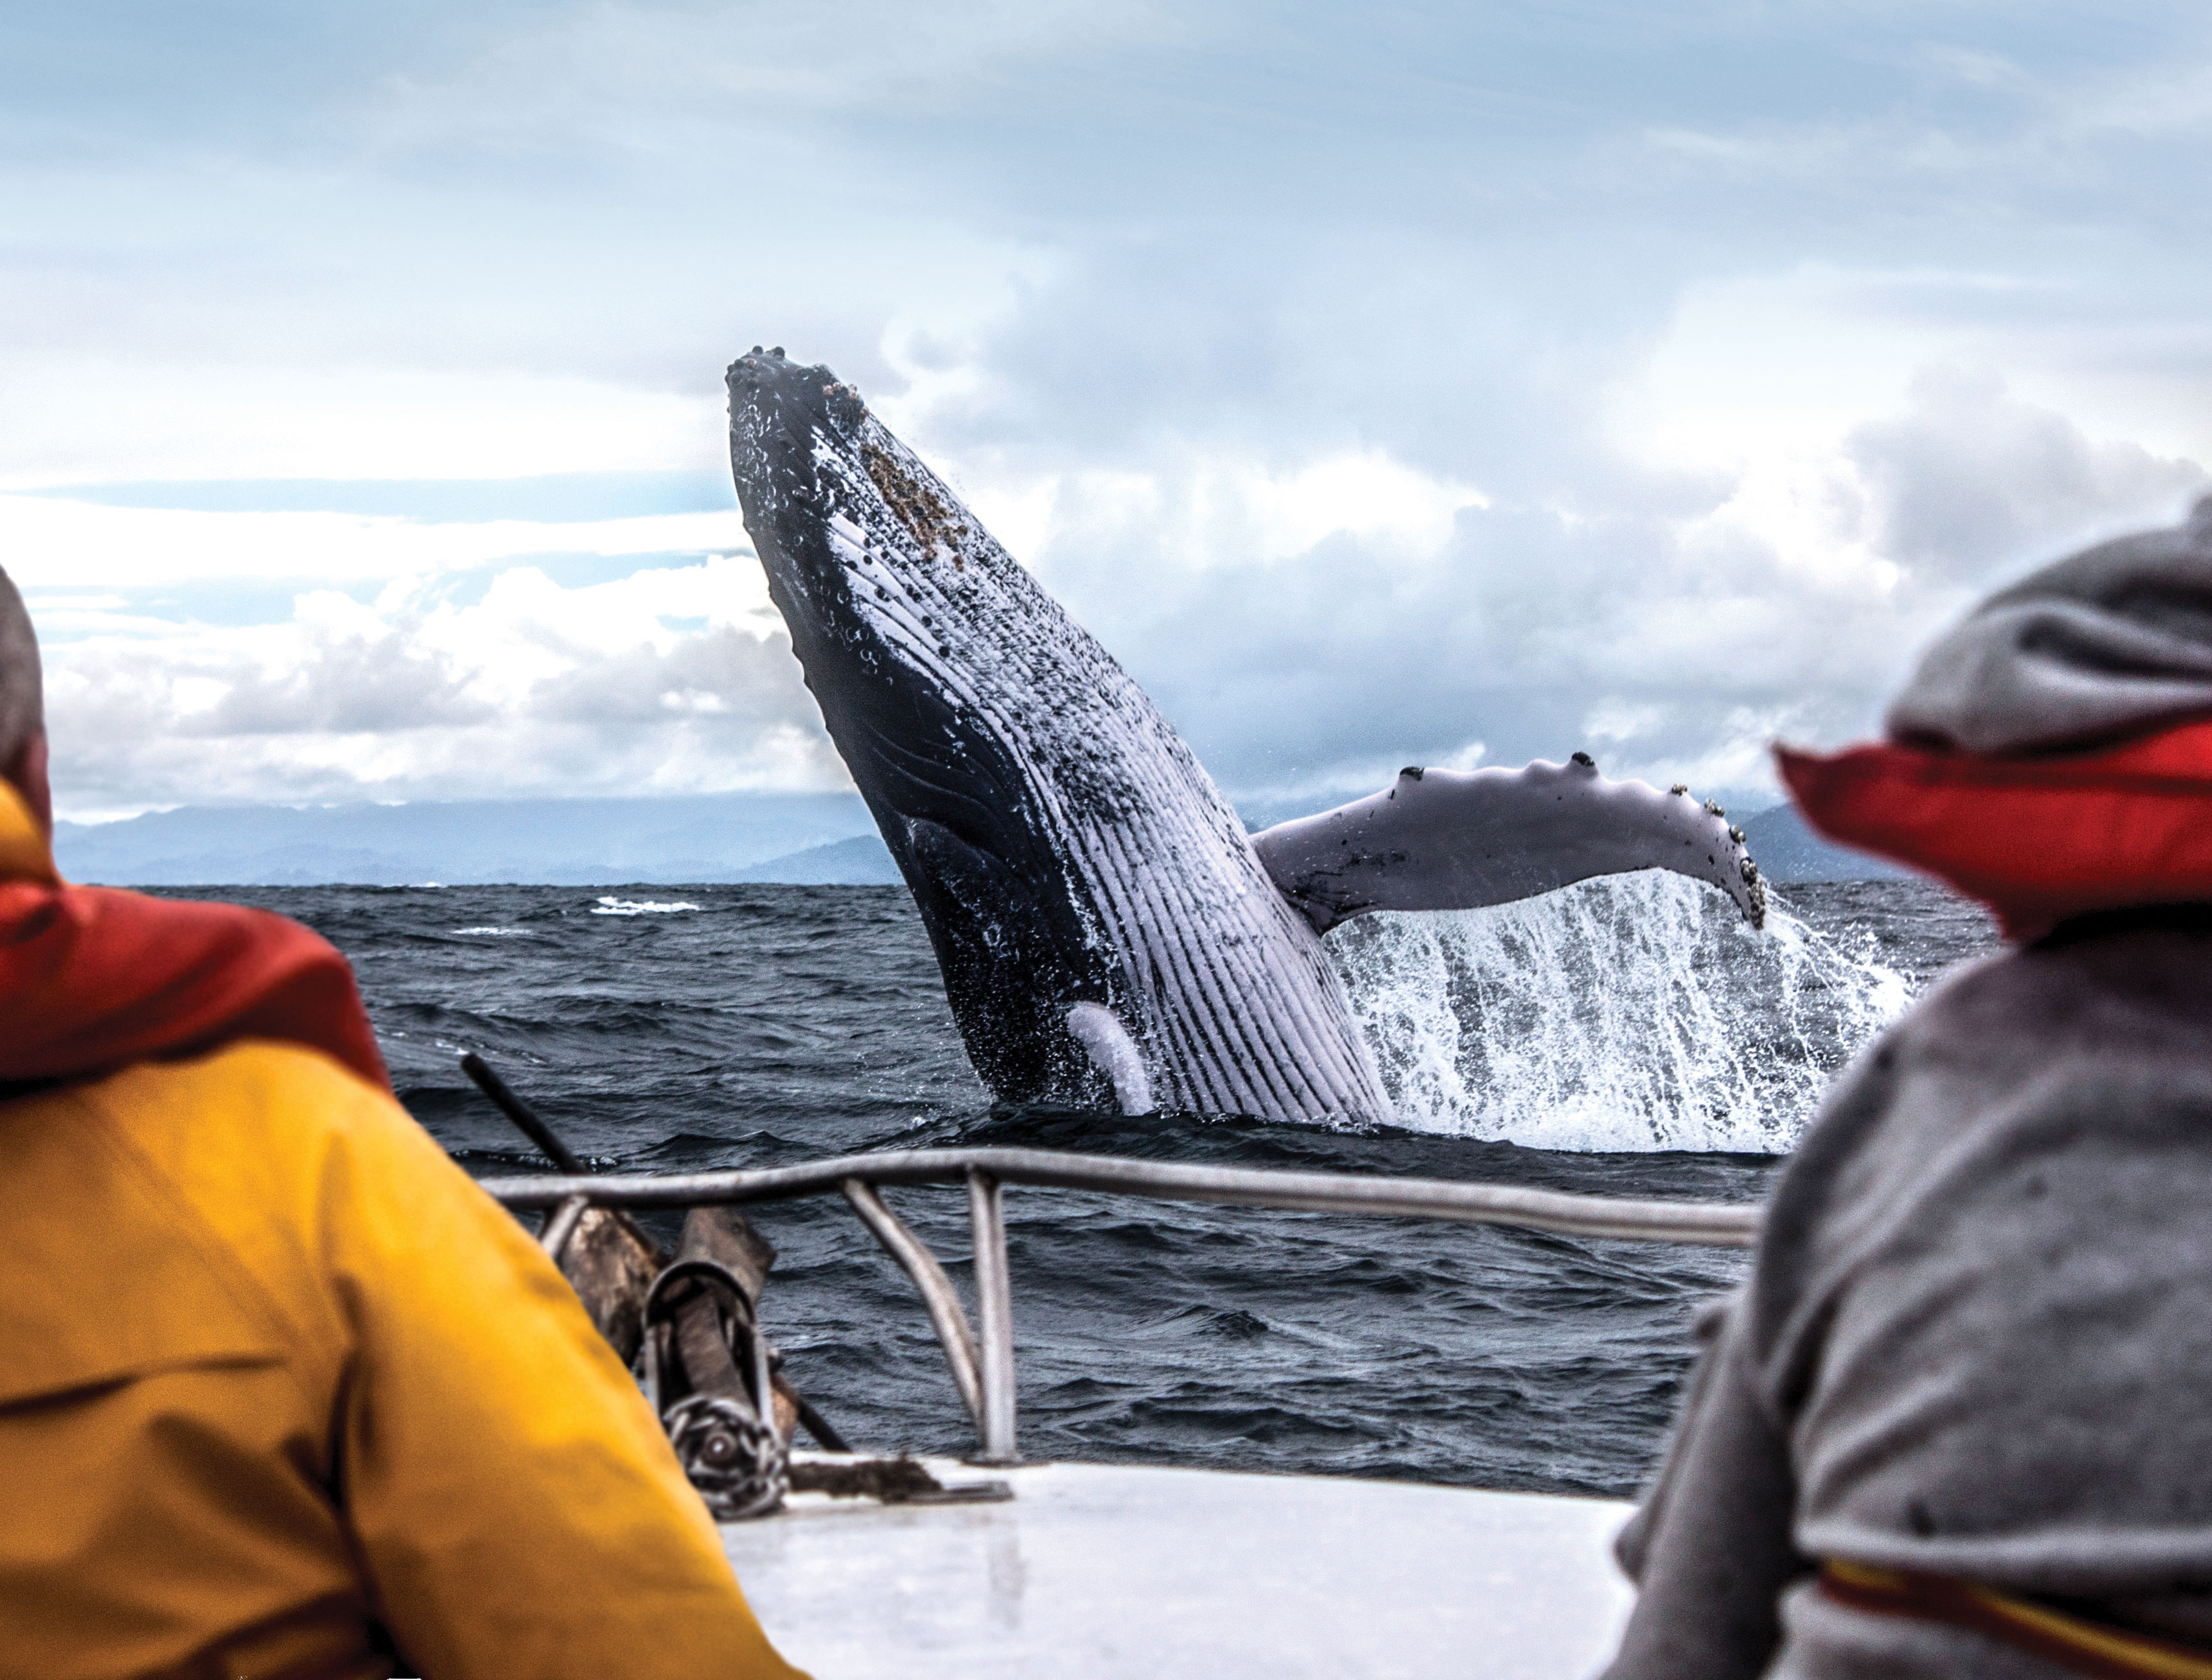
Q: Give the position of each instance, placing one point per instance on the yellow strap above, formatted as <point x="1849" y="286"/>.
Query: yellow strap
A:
<point x="2137" y="1654"/>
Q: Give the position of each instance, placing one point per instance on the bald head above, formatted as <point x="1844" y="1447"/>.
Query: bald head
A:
<point x="22" y="701"/>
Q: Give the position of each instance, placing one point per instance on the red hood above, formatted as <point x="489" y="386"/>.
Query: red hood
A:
<point x="93" y="979"/>
<point x="2037" y="839"/>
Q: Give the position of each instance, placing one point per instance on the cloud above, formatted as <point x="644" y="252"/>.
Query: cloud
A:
<point x="669" y="680"/>
<point x="349" y="672"/>
<point x="219" y="412"/>
<point x="1380" y="385"/>
<point x="54" y="542"/>
<point x="1971" y="480"/>
<point x="1676" y="624"/>
<point x="628" y="74"/>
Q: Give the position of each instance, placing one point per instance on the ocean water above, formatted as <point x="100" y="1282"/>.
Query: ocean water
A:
<point x="1628" y="1037"/>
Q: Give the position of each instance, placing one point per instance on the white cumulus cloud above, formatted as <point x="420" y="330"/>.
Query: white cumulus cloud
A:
<point x="671" y="680"/>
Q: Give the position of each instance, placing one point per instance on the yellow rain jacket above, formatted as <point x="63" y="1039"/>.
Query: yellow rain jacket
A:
<point x="283" y="1393"/>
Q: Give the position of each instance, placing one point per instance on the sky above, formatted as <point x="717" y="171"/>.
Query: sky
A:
<point x="1450" y="384"/>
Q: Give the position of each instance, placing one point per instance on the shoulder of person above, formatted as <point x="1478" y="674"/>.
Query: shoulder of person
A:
<point x="1981" y="1064"/>
<point x="283" y="1095"/>
<point x="274" y="1149"/>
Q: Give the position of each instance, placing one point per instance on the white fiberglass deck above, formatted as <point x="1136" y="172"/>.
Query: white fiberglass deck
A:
<point x="1096" y="1570"/>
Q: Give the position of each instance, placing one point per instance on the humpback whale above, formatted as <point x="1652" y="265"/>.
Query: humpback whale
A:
<point x="1108" y="933"/>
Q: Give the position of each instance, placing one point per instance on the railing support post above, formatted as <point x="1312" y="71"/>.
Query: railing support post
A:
<point x="945" y="1312"/>
<point x="995" y="1312"/>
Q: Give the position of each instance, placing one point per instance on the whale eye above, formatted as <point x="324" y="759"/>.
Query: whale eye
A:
<point x="882" y="594"/>
<point x="927" y="619"/>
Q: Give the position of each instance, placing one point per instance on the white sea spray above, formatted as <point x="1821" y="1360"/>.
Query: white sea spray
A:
<point x="625" y="906"/>
<point x="1634" y="1012"/>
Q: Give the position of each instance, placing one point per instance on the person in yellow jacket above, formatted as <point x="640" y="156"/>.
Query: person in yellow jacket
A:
<point x="283" y="1393"/>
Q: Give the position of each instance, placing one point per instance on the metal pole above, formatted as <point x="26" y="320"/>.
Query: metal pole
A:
<point x="945" y="1312"/>
<point x="994" y="1313"/>
<point x="560" y="1225"/>
<point x="522" y="1114"/>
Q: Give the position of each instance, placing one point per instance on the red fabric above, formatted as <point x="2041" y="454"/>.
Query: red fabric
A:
<point x="92" y="978"/>
<point x="2038" y="839"/>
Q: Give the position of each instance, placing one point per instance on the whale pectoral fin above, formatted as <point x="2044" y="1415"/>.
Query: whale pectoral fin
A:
<point x="1447" y="840"/>
<point x="1114" y="1054"/>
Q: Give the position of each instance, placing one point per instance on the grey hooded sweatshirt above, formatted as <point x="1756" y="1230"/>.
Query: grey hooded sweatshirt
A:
<point x="1977" y="1339"/>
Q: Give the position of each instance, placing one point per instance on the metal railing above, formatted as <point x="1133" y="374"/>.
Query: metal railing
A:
<point x="982" y="1356"/>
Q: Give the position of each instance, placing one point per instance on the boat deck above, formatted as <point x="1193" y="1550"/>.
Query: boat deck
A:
<point x="1096" y="1570"/>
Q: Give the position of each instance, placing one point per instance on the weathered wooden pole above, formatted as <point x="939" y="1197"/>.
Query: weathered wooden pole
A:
<point x="710" y="1373"/>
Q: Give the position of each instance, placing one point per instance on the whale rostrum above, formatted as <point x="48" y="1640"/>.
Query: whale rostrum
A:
<point x="1110" y="934"/>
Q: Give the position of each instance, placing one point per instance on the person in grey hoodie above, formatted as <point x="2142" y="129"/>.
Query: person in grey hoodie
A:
<point x="1958" y="1423"/>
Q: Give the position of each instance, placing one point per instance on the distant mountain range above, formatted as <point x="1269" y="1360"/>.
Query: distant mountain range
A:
<point x="862" y="861"/>
<point x="806" y="839"/>
<point x="1787" y="851"/>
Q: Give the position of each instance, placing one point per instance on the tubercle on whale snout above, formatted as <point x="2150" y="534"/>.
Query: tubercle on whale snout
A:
<point x="814" y="391"/>
<point x="812" y="399"/>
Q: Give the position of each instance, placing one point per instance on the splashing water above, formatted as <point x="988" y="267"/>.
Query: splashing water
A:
<point x="626" y="906"/>
<point x="1633" y="1012"/>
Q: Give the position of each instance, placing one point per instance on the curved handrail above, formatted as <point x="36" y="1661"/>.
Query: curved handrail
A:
<point x="982" y="1359"/>
<point x="1717" y="1224"/>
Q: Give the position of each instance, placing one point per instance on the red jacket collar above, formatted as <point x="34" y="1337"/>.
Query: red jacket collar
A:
<point x="93" y="979"/>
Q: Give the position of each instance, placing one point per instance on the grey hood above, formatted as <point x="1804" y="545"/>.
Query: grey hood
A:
<point x="2113" y="642"/>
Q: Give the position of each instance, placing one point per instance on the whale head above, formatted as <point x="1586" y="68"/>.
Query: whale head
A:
<point x="945" y="677"/>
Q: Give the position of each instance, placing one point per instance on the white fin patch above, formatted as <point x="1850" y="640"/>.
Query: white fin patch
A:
<point x="1114" y="1054"/>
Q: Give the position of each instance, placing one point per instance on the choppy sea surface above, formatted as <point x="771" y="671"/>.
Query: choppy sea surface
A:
<point x="1627" y="1037"/>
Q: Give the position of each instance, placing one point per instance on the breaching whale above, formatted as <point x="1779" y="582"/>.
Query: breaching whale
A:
<point x="1108" y="931"/>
